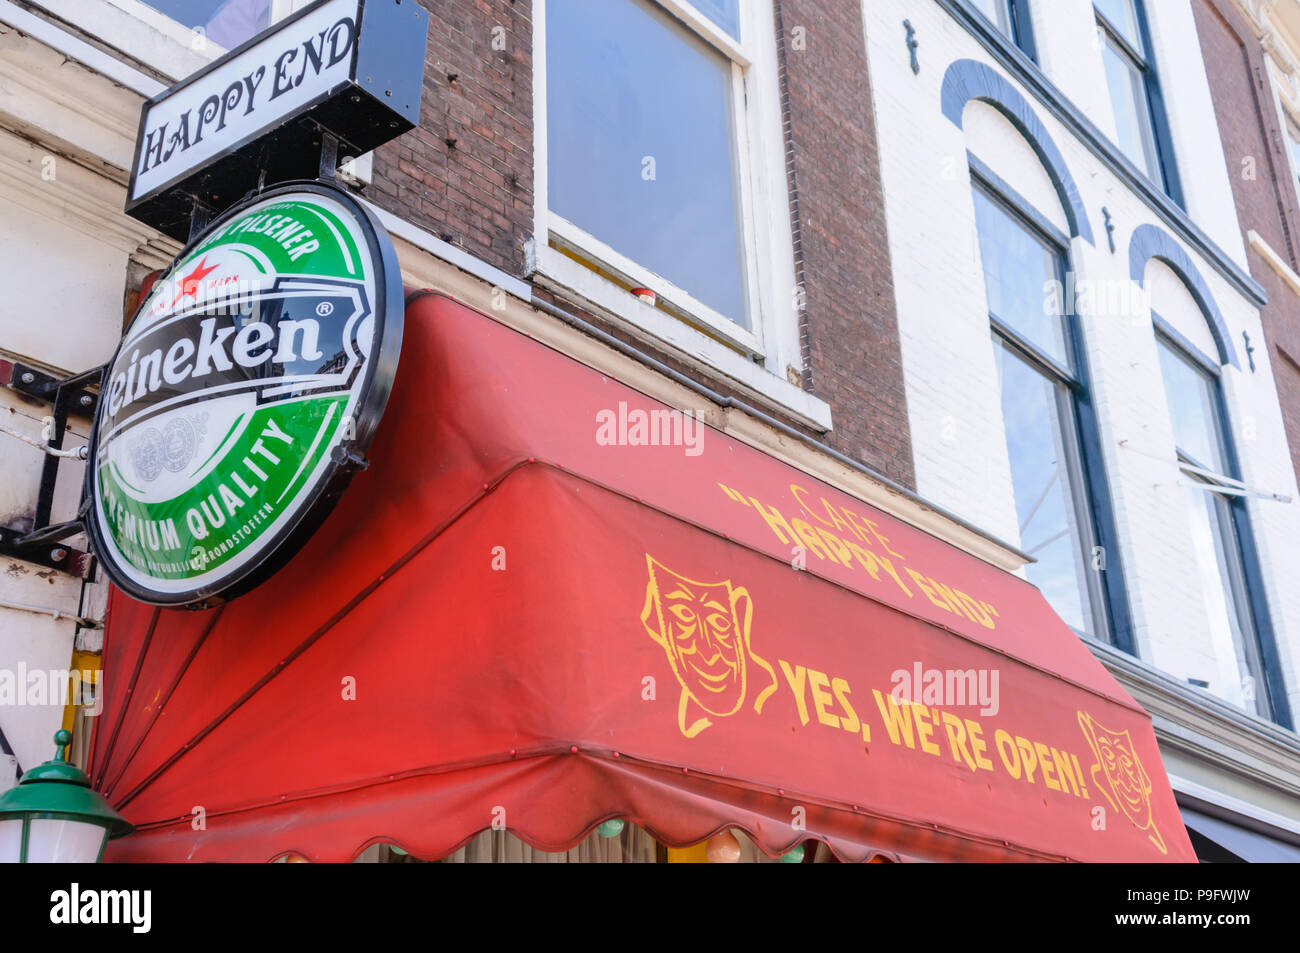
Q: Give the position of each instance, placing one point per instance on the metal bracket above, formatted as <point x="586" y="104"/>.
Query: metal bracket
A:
<point x="16" y="544"/>
<point x="29" y="381"/>
<point x="349" y="459"/>
<point x="200" y="215"/>
<point x="68" y="396"/>
<point x="912" y="44"/>
<point x="329" y="156"/>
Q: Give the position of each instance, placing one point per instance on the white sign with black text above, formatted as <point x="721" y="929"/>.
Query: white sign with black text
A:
<point x="246" y="95"/>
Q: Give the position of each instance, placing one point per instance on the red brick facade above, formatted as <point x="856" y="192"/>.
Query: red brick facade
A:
<point x="1262" y="186"/>
<point x="467" y="176"/>
<point x="852" y="348"/>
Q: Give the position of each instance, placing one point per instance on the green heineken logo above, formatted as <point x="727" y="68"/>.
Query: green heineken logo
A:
<point x="242" y="389"/>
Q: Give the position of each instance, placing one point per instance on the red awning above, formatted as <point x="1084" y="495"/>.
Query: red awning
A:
<point x="522" y="613"/>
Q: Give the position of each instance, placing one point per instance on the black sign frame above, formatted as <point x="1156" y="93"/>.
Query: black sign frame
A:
<point x="380" y="372"/>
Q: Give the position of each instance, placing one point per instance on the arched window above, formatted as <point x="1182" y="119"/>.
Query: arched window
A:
<point x="1212" y="500"/>
<point x="1042" y="382"/>
<point x="1061" y="498"/>
<point x="1012" y="20"/>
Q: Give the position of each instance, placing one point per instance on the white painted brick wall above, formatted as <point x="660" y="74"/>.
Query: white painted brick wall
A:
<point x="958" y="442"/>
<point x="65" y="271"/>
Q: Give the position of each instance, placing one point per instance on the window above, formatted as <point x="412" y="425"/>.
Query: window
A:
<point x="642" y="144"/>
<point x="1134" y="93"/>
<point x="1293" y="143"/>
<point x="1011" y="17"/>
<point x="1212" y="500"/>
<point x="226" y="23"/>
<point x="661" y="167"/>
<point x="1040" y="392"/>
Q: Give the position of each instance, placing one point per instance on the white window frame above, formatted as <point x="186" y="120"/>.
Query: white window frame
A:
<point x="760" y="355"/>
<point x="1285" y="114"/>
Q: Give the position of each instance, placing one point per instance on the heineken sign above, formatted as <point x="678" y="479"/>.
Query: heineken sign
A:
<point x="243" y="396"/>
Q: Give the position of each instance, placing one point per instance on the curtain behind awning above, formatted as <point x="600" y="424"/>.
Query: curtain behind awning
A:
<point x="522" y="615"/>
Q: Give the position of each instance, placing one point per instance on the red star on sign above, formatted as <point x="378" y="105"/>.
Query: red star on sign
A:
<point x="190" y="283"/>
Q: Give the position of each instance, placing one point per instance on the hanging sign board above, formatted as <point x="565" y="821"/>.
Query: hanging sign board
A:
<point x="243" y="396"/>
<point x="351" y="68"/>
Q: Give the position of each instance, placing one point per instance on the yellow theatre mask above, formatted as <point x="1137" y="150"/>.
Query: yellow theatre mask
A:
<point x="1120" y="777"/>
<point x="703" y="628"/>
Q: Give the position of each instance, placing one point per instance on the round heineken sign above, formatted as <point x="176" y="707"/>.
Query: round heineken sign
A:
<point x="243" y="396"/>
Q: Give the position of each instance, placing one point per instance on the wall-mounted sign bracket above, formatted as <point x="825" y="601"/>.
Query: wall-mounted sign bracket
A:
<point x="69" y="396"/>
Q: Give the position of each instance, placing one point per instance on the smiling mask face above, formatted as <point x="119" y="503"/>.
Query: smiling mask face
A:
<point x="1120" y="775"/>
<point x="701" y="632"/>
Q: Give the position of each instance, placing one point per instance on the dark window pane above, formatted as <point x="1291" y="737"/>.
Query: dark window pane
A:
<point x="1191" y="407"/>
<point x="1128" y="98"/>
<point x="640" y="144"/>
<point x="1019" y="275"/>
<point x="226" y="22"/>
<point x="1033" y="411"/>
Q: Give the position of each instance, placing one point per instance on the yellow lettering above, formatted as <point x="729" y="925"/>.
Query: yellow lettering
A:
<point x="836" y="547"/>
<point x="1030" y="759"/>
<point x="957" y="739"/>
<point x="841" y="689"/>
<point x="975" y="732"/>
<point x="924" y="729"/>
<point x="873" y="563"/>
<point x="949" y="597"/>
<point x="819" y="685"/>
<point x="795" y="679"/>
<point x="808" y="536"/>
<point x="775" y="521"/>
<point x="923" y="584"/>
<point x="1066" y="771"/>
<point x="1045" y="765"/>
<point x="1004" y="743"/>
<point x="882" y="540"/>
<point x="897" y="718"/>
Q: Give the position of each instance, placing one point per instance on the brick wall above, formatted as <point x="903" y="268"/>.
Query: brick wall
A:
<point x="852" y="355"/>
<point x="1266" y="200"/>
<point x="478" y="194"/>
<point x="466" y="174"/>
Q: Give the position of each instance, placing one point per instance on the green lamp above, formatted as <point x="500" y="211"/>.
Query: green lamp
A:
<point x="53" y="816"/>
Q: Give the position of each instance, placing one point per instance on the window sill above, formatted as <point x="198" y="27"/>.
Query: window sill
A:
<point x="557" y="271"/>
<point x="1168" y="697"/>
<point x="1274" y="260"/>
<point x="568" y="236"/>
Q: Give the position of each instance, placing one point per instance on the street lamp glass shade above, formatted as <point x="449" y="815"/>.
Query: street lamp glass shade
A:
<point x="11" y="839"/>
<point x="64" y="841"/>
<point x="54" y="816"/>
